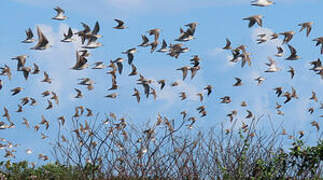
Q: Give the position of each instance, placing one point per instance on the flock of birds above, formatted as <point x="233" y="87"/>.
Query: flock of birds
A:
<point x="90" y="40"/>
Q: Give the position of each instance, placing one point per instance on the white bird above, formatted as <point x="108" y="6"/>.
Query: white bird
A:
<point x="262" y="3"/>
<point x="60" y="14"/>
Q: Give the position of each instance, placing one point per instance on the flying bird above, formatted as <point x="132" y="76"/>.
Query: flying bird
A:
<point x="280" y="52"/>
<point x="26" y="71"/>
<point x="120" y="24"/>
<point x="259" y="80"/>
<point x="287" y="36"/>
<point x="36" y="69"/>
<point x="154" y="32"/>
<point x="254" y="19"/>
<point x="68" y="36"/>
<point x="238" y="82"/>
<point x="308" y="26"/>
<point x="272" y="65"/>
<point x="79" y="93"/>
<point x="137" y="94"/>
<point x="46" y="78"/>
<point x="145" y="41"/>
<point x="60" y="14"/>
<point x="133" y="70"/>
<point x="293" y="55"/>
<point x="21" y="61"/>
<point x="99" y="65"/>
<point x="228" y="44"/>
<point x="29" y="38"/>
<point x="42" y="43"/>
<point x="130" y="54"/>
<point x="16" y="90"/>
<point x="162" y="83"/>
<point x="291" y="71"/>
<point x="163" y="48"/>
<point x="184" y="71"/>
<point x="262" y="3"/>
<point x="319" y="41"/>
<point x="81" y="62"/>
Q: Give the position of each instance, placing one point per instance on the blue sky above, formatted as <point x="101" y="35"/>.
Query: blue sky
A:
<point x="218" y="19"/>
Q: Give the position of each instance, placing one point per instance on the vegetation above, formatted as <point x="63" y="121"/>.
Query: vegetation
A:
<point x="115" y="149"/>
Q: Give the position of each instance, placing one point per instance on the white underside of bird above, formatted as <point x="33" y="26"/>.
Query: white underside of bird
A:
<point x="261" y="3"/>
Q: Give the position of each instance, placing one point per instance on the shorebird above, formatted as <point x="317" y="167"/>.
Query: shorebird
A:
<point x="6" y="71"/>
<point x="209" y="89"/>
<point x="120" y="24"/>
<point x="68" y="36"/>
<point x="16" y="90"/>
<point x="46" y="78"/>
<point x="291" y="71"/>
<point x="50" y="105"/>
<point x="42" y="43"/>
<point x="154" y="32"/>
<point x="162" y="83"/>
<point x="293" y="55"/>
<point x="319" y="41"/>
<point x="113" y="95"/>
<point x="45" y="93"/>
<point x="262" y="3"/>
<point x="133" y="70"/>
<point x="288" y="97"/>
<point x="272" y="65"/>
<point x="238" y="82"/>
<point x="313" y="97"/>
<point x="184" y="71"/>
<point x="29" y="38"/>
<point x="24" y="100"/>
<point x="79" y="93"/>
<point x="55" y="97"/>
<point x="182" y="95"/>
<point x="36" y="69"/>
<point x="254" y="19"/>
<point x="228" y="44"/>
<point x="274" y="36"/>
<point x="278" y="91"/>
<point x="280" y="52"/>
<point x="249" y="115"/>
<point x="26" y="71"/>
<point x="130" y="54"/>
<point x="226" y="99"/>
<point x="259" y="80"/>
<point x="163" y="48"/>
<point x="153" y="46"/>
<point x="308" y="26"/>
<point x="287" y="36"/>
<point x="119" y="61"/>
<point x="89" y="112"/>
<point x="195" y="60"/>
<point x="137" y="94"/>
<point x="145" y="41"/>
<point x="21" y="61"/>
<point x="80" y="62"/>
<point x="99" y="65"/>
<point x="92" y="43"/>
<point x="194" y="71"/>
<point x="60" y="14"/>
<point x="294" y="94"/>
